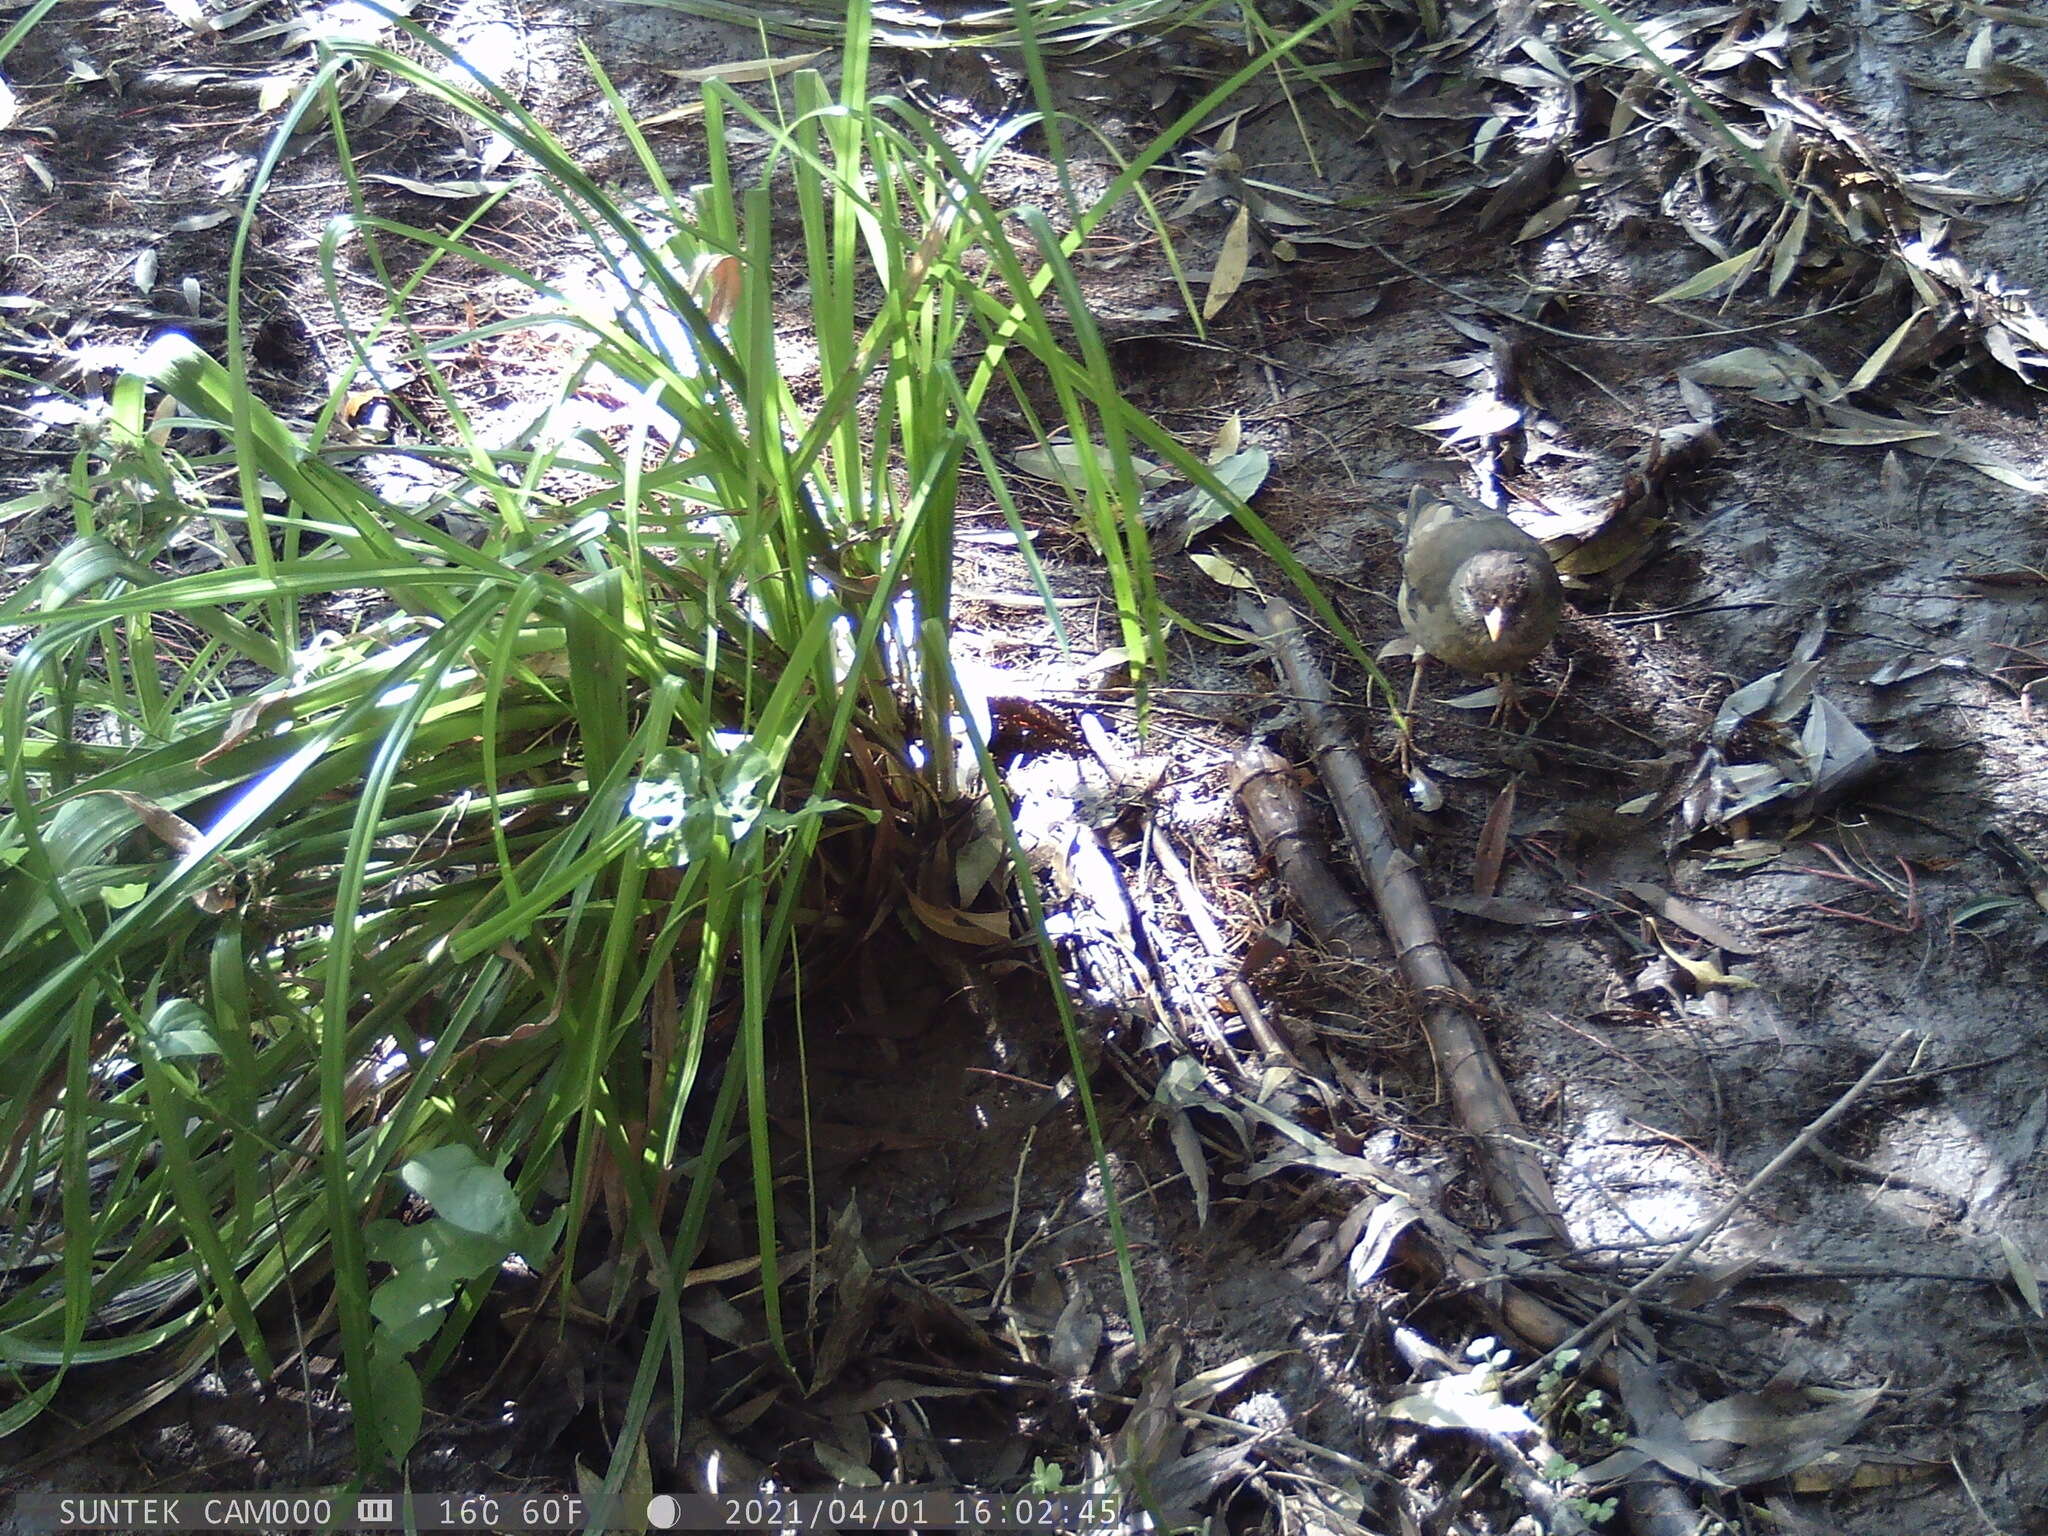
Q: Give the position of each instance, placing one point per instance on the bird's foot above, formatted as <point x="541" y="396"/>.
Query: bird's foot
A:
<point x="1509" y="713"/>
<point x="1515" y="712"/>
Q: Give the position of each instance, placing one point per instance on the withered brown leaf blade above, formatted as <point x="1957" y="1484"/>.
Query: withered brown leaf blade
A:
<point x="169" y="828"/>
<point x="1492" y="850"/>
<point x="1231" y="264"/>
<point x="241" y="725"/>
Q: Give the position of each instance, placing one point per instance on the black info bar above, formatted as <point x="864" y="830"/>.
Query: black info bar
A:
<point x="274" y="1509"/>
<point x="889" y="1508"/>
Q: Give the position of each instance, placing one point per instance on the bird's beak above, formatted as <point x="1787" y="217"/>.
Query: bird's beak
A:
<point x="1496" y="621"/>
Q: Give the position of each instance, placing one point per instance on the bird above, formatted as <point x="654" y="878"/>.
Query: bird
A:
<point x="1477" y="593"/>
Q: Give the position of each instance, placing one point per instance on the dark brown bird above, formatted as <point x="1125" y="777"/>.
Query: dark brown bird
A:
<point x="1477" y="593"/>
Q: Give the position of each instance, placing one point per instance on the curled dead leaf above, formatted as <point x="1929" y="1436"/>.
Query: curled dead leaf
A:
<point x="981" y="929"/>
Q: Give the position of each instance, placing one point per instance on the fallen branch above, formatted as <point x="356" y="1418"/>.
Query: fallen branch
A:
<point x="1264" y="784"/>
<point x="1479" y="1093"/>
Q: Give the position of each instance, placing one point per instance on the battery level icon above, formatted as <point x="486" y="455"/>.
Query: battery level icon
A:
<point x="377" y="1511"/>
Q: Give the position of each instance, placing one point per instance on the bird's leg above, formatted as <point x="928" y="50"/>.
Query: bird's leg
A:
<point x="1406" y="745"/>
<point x="1510" y="706"/>
<point x="1415" y="682"/>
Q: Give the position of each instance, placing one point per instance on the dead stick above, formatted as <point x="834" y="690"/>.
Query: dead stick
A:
<point x="1275" y="811"/>
<point x="1196" y="909"/>
<point x="1479" y="1093"/>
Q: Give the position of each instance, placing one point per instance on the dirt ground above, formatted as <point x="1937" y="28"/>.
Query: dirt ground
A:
<point x="1659" y="1063"/>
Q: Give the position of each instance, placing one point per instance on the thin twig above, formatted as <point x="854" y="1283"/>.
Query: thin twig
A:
<point x="1195" y="908"/>
<point x="1720" y="1218"/>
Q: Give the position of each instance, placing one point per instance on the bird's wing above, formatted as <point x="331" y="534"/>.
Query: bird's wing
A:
<point x="1425" y="513"/>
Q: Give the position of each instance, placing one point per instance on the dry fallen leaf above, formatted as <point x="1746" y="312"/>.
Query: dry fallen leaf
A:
<point x="1066" y="463"/>
<point x="1232" y="262"/>
<point x="1470" y="1400"/>
<point x="981" y="929"/>
<point x="1729" y="275"/>
<point x="169" y="828"/>
<point x="453" y="189"/>
<point x="1492" y="848"/>
<point x="1225" y="573"/>
<point x="745" y="71"/>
